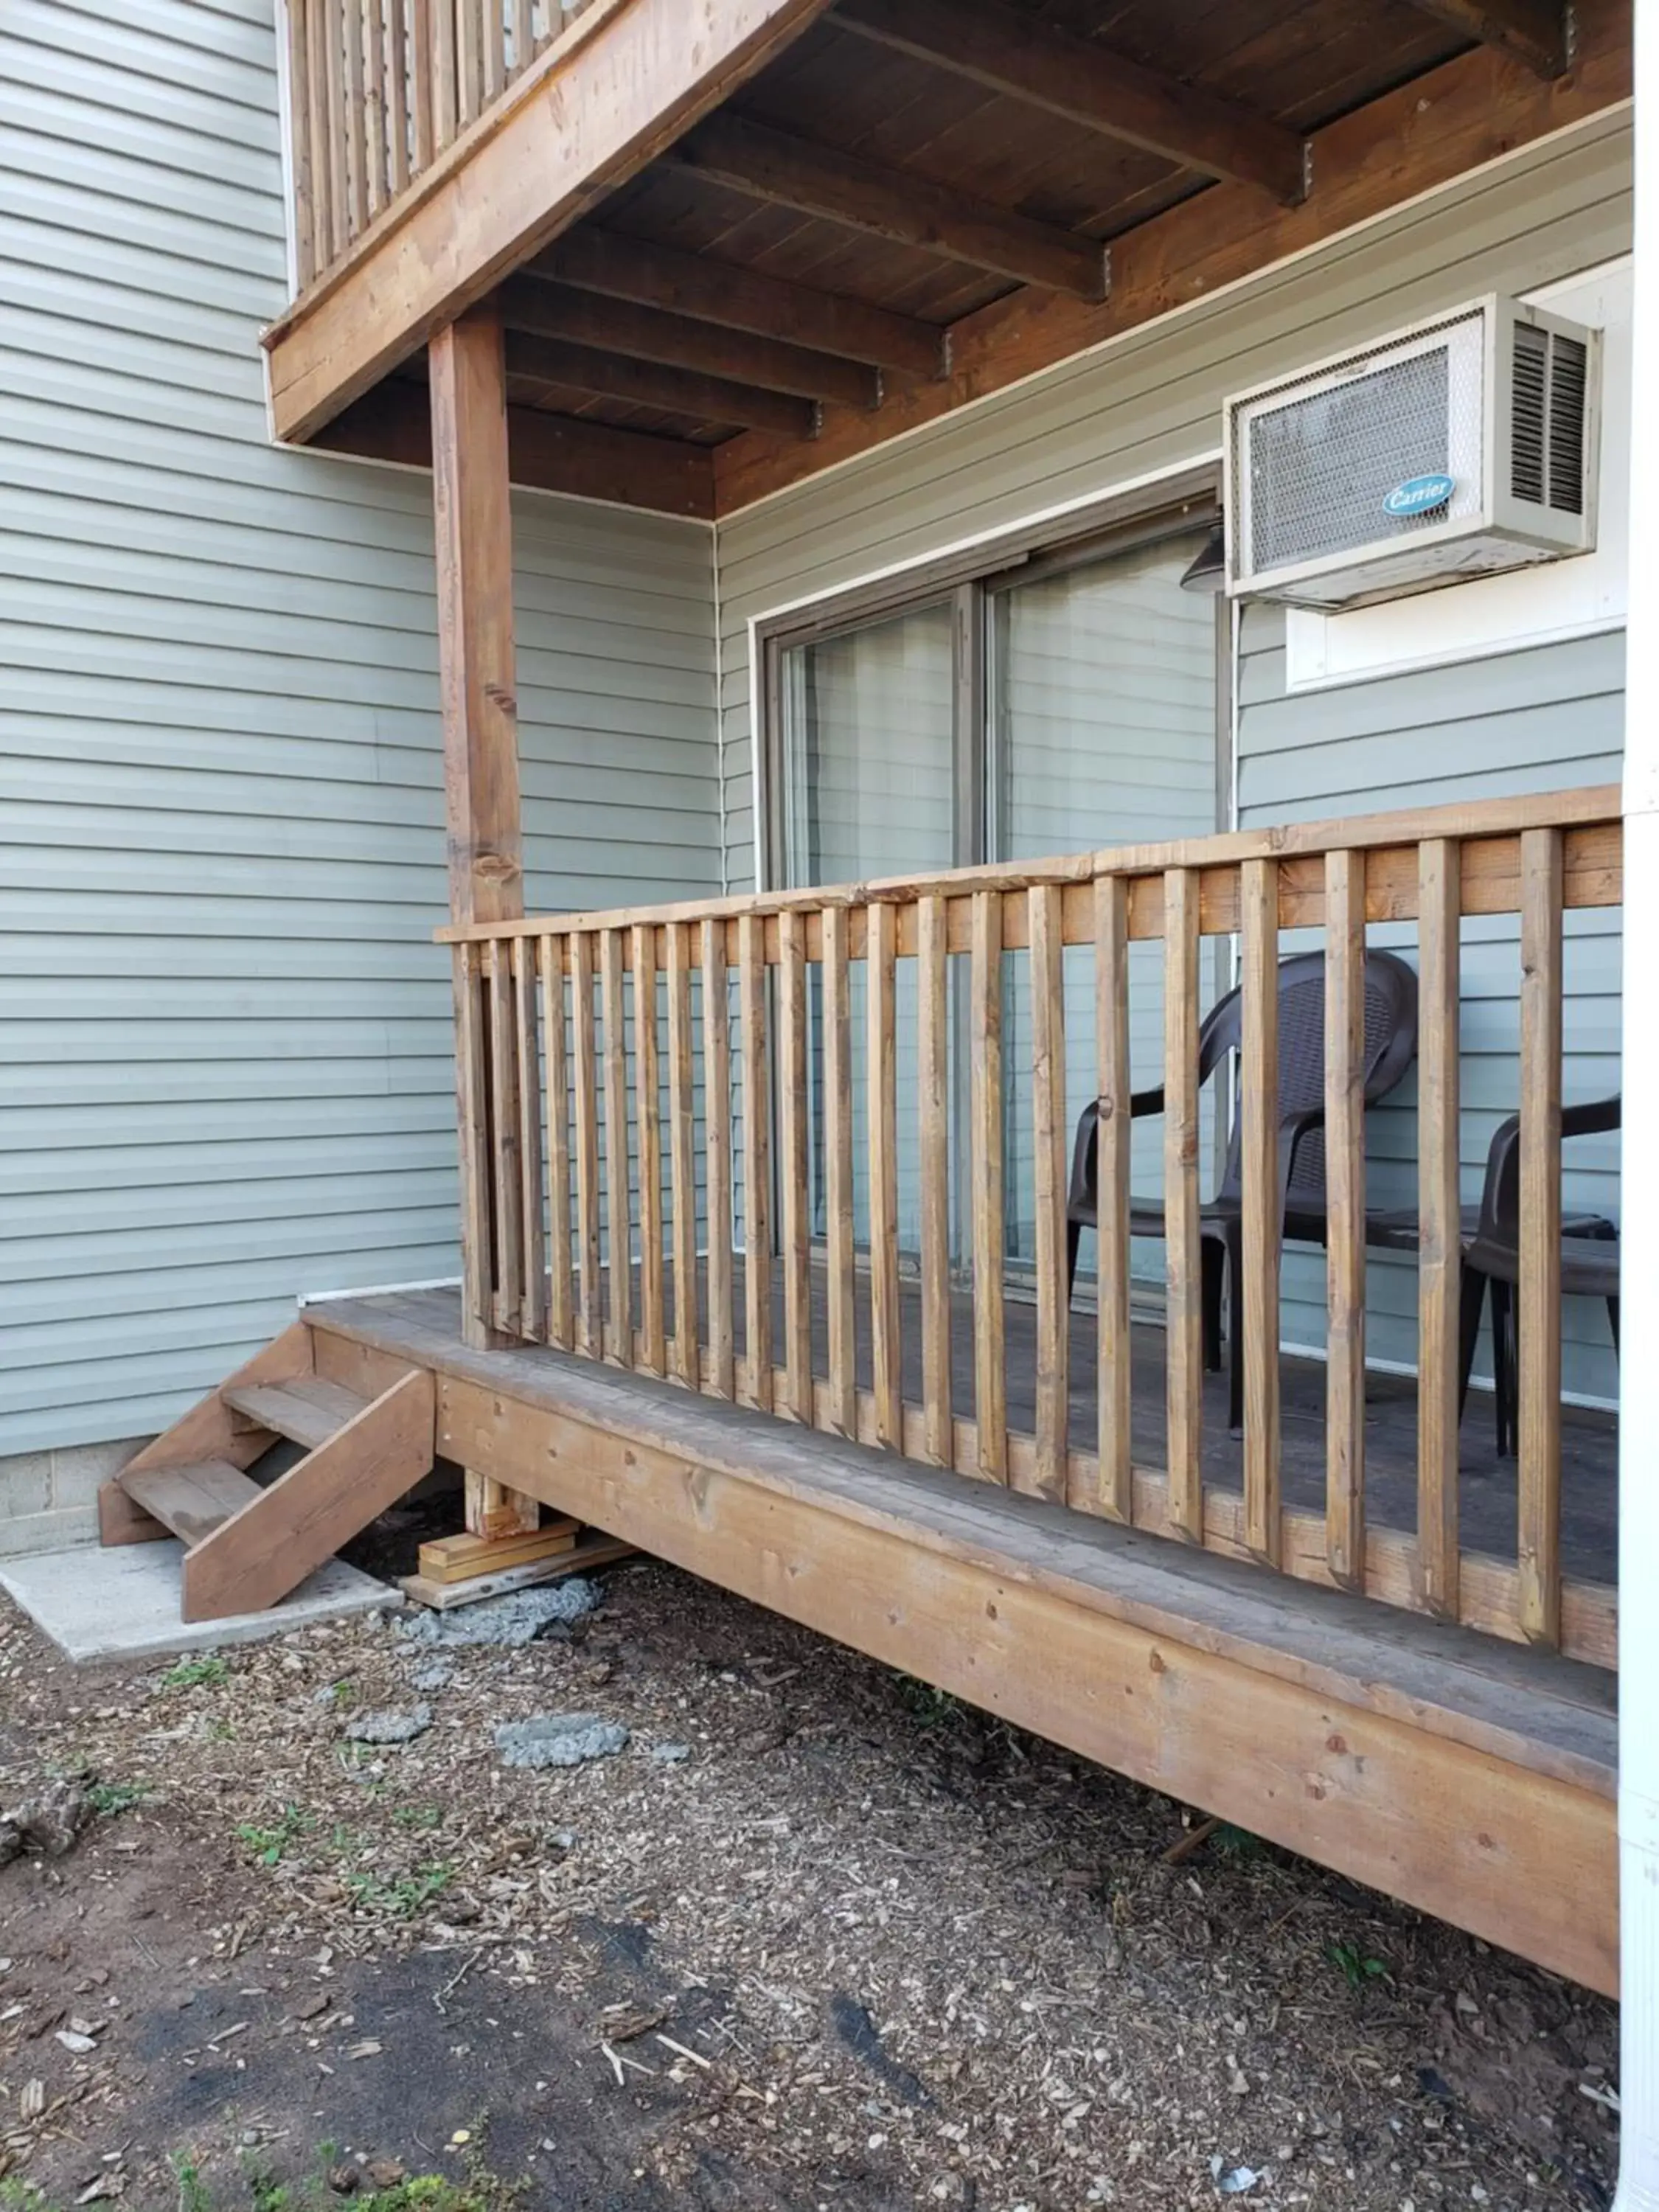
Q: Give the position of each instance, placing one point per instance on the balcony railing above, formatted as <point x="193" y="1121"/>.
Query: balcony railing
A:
<point x="378" y="88"/>
<point x="809" y="1152"/>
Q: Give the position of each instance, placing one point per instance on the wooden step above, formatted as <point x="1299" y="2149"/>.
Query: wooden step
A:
<point x="308" y="1409"/>
<point x="192" y="1501"/>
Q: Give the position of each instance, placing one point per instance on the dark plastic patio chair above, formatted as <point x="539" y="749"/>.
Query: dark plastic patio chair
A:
<point x="1492" y="1257"/>
<point x="1390" y="1046"/>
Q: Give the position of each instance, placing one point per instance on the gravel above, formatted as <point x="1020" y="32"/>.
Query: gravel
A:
<point x="518" y="1618"/>
<point x="390" y="1727"/>
<point x="559" y="1740"/>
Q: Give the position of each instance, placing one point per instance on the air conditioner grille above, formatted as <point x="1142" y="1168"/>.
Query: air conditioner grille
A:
<point x="1551" y="374"/>
<point x="1321" y="466"/>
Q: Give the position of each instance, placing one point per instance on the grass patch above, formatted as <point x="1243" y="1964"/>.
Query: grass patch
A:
<point x="269" y="1844"/>
<point x="200" y="1674"/>
<point x="404" y="1898"/>
<point x="1358" y="1966"/>
<point x="931" y="1706"/>
<point x="109" y="1798"/>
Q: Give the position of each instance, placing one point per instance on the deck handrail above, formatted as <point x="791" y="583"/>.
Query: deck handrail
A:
<point x="377" y="92"/>
<point x="718" y="1064"/>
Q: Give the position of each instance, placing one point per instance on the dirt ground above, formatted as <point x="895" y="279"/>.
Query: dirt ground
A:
<point x="859" y="1947"/>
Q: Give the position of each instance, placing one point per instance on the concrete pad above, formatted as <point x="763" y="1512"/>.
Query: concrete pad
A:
<point x="123" y="1603"/>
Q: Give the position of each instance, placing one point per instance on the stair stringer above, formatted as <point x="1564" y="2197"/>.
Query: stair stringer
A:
<point x="208" y="1430"/>
<point x="255" y="1557"/>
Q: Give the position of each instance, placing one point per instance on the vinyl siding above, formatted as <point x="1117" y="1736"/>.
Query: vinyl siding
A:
<point x="227" y="1076"/>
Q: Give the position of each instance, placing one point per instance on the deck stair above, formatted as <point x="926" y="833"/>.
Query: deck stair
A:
<point x="247" y="1544"/>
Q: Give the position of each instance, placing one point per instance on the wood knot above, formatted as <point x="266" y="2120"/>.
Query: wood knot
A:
<point x="499" y="696"/>
<point x="1155" y="1664"/>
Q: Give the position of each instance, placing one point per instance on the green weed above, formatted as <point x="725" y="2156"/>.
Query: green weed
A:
<point x="403" y="1899"/>
<point x="196" y="1673"/>
<point x="269" y="1844"/>
<point x="110" y="1798"/>
<point x="1358" y="1967"/>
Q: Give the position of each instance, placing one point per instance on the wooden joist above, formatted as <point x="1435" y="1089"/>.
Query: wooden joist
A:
<point x="894" y="204"/>
<point x="1085" y="82"/>
<point x="690" y="284"/>
<point x="1537" y="33"/>
<point x="640" y="383"/>
<point x="564" y="312"/>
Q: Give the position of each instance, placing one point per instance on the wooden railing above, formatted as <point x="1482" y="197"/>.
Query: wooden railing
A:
<point x="378" y="88"/>
<point x="710" y="1050"/>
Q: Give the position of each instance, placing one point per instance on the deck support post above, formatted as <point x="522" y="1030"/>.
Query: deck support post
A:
<point x="473" y="547"/>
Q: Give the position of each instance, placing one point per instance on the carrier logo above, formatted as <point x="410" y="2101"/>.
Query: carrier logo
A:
<point x="1418" y="495"/>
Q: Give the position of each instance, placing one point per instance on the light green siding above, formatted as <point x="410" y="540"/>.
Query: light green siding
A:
<point x="226" y="1075"/>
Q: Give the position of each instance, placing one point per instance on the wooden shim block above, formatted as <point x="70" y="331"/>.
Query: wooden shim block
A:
<point x="1440" y="1232"/>
<point x="882" y="1120"/>
<point x="934" y="1110"/>
<point x="1539" y="1378"/>
<point x="1345" y="1179"/>
<point x="562" y="1318"/>
<point x="683" y="1155"/>
<point x="492" y="1510"/>
<point x="1049" y="1187"/>
<point x="985" y="1116"/>
<point x="590" y="1550"/>
<point x="1184" y="1322"/>
<point x="261" y="1553"/>
<point x="843" y="1408"/>
<point x="647" y="1114"/>
<point x="717" y="1157"/>
<point x="590" y="1335"/>
<point x="1263" y="1221"/>
<point x="796" y="1402"/>
<point x="756" y="1167"/>
<point x="1115" y="1496"/>
<point x="619" y="1254"/>
<point x="458" y="1559"/>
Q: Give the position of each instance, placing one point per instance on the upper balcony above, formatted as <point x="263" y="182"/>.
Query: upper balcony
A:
<point x="734" y="242"/>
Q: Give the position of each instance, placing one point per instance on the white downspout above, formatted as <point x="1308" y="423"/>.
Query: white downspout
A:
<point x="1638" y="1380"/>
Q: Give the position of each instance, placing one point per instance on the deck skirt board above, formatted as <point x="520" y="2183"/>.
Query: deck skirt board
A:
<point x="1472" y="1778"/>
<point x="192" y="1501"/>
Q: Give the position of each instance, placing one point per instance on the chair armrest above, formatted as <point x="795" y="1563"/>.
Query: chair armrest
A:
<point x="1083" y="1190"/>
<point x="1291" y="1130"/>
<point x="1593" y="1118"/>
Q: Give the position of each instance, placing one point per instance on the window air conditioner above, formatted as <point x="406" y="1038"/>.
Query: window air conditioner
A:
<point x="1464" y="446"/>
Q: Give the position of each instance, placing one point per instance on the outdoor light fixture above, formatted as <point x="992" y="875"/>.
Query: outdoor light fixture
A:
<point x="1208" y="570"/>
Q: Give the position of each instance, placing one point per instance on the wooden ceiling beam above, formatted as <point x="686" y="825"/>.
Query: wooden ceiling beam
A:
<point x="891" y="203"/>
<point x="545" y="453"/>
<point x="652" y="276"/>
<point x="647" y="384"/>
<point x="545" y="309"/>
<point x="1535" y="32"/>
<point x="1051" y="69"/>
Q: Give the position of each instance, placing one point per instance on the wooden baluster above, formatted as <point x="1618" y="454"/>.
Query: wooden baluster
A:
<point x="985" y="1115"/>
<point x="339" y="181"/>
<point x="618" y="1214"/>
<point x="1054" y="1398"/>
<point x="356" y="125"/>
<point x="469" y="59"/>
<point x="561" y="1328"/>
<point x="682" y="1156"/>
<point x="445" y="73"/>
<point x="492" y="31"/>
<point x="881" y="1076"/>
<point x="1539" y="1318"/>
<point x="397" y="86"/>
<point x="1440" y="1233"/>
<point x="843" y="1405"/>
<point x="717" y="1165"/>
<point x="1263" y="1219"/>
<point x="299" y="106"/>
<point x="792" y="1167"/>
<point x="1116" y="1494"/>
<point x="647" y="1109"/>
<point x="591" y="1333"/>
<point x="472" y="1104"/>
<point x="533" y="1234"/>
<point x="756" y="1161"/>
<point x="523" y="39"/>
<point x="1345" y="1217"/>
<point x="934" y="1105"/>
<point x="423" y="35"/>
<point x="319" y="121"/>
<point x="375" y="114"/>
<point x="504" y="1136"/>
<point x="1184" y="1314"/>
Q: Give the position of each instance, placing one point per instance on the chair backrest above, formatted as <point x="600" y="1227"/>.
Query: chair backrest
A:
<point x="1499" y="1226"/>
<point x="1391" y="1047"/>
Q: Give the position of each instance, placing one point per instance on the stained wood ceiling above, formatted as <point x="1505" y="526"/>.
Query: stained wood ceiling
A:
<point x="805" y="252"/>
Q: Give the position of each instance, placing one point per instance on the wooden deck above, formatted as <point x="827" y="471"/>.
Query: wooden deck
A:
<point x="1473" y="1777"/>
